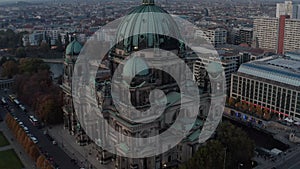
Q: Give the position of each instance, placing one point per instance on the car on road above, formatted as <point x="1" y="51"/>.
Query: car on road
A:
<point x="34" y="121"/>
<point x="29" y="135"/>
<point x="50" y="138"/>
<point x="16" y="101"/>
<point x="22" y="108"/>
<point x="3" y="101"/>
<point x="12" y="97"/>
<point x="26" y="129"/>
<point x="34" y="139"/>
<point x="21" y="124"/>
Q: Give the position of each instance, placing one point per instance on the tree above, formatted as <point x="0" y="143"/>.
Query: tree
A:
<point x="240" y="148"/>
<point x="49" y="109"/>
<point x="59" y="44"/>
<point x="252" y="108"/>
<point x="210" y="156"/>
<point x="238" y="105"/>
<point x="3" y="60"/>
<point x="21" y="52"/>
<point x="34" y="152"/>
<point x="231" y="102"/>
<point x="245" y="107"/>
<point x="259" y="111"/>
<point x="32" y="65"/>
<point x="233" y="141"/>
<point x="44" y="47"/>
<point x="40" y="161"/>
<point x="267" y="114"/>
<point x="9" y="69"/>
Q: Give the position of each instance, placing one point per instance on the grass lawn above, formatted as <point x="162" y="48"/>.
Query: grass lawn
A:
<point x="3" y="140"/>
<point x="10" y="160"/>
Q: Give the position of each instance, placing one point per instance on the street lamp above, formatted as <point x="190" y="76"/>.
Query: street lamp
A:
<point x="240" y="165"/>
<point x="224" y="163"/>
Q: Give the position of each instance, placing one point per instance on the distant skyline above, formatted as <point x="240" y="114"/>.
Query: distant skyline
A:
<point x="12" y="1"/>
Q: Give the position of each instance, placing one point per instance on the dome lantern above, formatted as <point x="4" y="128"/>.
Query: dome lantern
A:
<point x="148" y="2"/>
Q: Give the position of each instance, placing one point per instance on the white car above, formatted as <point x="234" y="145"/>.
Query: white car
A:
<point x="26" y="129"/>
<point x="34" y="140"/>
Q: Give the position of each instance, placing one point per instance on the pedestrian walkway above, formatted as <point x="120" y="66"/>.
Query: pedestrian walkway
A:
<point x="26" y="160"/>
<point x="4" y="148"/>
<point x="84" y="155"/>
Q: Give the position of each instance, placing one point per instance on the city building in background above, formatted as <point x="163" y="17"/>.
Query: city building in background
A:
<point x="272" y="83"/>
<point x="278" y="34"/>
<point x="216" y="36"/>
<point x="242" y="35"/>
<point x="288" y="8"/>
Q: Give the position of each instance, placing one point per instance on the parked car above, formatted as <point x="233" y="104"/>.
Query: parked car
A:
<point x="35" y="140"/>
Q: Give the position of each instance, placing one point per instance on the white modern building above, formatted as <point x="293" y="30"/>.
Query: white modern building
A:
<point x="217" y="36"/>
<point x="288" y="8"/>
<point x="266" y="32"/>
<point x="33" y="39"/>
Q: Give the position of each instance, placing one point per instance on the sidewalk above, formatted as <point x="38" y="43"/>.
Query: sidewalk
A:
<point x="26" y="160"/>
<point x="4" y="148"/>
<point x="84" y="155"/>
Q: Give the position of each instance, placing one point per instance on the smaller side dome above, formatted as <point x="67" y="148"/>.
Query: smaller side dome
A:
<point x="73" y="48"/>
<point x="135" y="66"/>
<point x="214" y="67"/>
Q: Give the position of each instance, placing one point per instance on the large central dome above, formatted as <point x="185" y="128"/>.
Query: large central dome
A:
<point x="148" y="26"/>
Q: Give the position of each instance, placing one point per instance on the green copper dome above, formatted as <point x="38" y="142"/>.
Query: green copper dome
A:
<point x="147" y="26"/>
<point x="73" y="48"/>
<point x="135" y="66"/>
<point x="214" y="67"/>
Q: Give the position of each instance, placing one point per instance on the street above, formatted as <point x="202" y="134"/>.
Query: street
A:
<point x="59" y="156"/>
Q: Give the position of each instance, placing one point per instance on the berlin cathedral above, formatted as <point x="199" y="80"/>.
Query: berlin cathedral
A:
<point x="142" y="83"/>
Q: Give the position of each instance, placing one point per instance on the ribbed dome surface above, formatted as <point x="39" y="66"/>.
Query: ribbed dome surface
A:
<point x="148" y="26"/>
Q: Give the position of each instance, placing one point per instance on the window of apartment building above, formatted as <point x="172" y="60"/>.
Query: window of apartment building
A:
<point x="297" y="115"/>
<point x="298" y="104"/>
<point x="283" y="103"/>
<point x="278" y="101"/>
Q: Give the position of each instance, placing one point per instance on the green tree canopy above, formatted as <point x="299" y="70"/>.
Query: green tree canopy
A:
<point x="32" y="65"/>
<point x="44" y="47"/>
<point x="240" y="148"/>
<point x="9" y="69"/>
<point x="20" y="52"/>
<point x="230" y="144"/>
<point x="210" y="156"/>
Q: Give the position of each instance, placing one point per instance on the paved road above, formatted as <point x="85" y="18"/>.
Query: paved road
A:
<point x="60" y="157"/>
<point x="80" y="152"/>
<point x="292" y="161"/>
